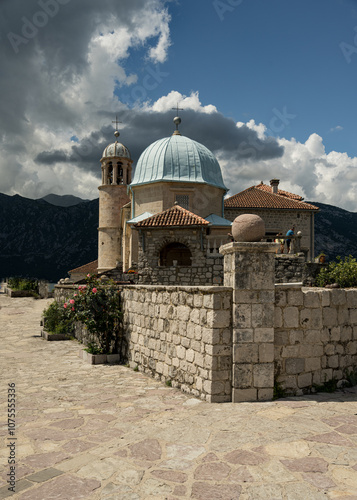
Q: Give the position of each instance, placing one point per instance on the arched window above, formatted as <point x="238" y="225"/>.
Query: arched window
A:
<point x="120" y="179"/>
<point x="177" y="252"/>
<point x="110" y="173"/>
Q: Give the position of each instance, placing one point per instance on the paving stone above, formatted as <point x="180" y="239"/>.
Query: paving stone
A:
<point x="244" y="458"/>
<point x="71" y="423"/>
<point x="148" y="449"/>
<point x="76" y="446"/>
<point x="114" y="492"/>
<point x="184" y="452"/>
<point x="212" y="471"/>
<point x="111" y="420"/>
<point x="172" y="476"/>
<point x="127" y="474"/>
<point x="320" y="481"/>
<point x="41" y="460"/>
<point x="21" y="485"/>
<point x="307" y="464"/>
<point x="205" y="491"/>
<point x="44" y="475"/>
<point x="241" y="475"/>
<point x="65" y="487"/>
<point x="331" y="438"/>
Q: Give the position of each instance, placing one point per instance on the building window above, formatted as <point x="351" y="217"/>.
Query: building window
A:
<point x="175" y="254"/>
<point x="183" y="200"/>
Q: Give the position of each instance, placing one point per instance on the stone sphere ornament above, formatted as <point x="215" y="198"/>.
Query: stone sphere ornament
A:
<point x="248" y="227"/>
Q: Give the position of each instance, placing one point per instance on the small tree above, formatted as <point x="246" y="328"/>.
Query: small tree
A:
<point x="343" y="272"/>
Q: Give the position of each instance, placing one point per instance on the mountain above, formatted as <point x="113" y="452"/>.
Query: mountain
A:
<point x="41" y="240"/>
<point x="66" y="200"/>
<point x="335" y="231"/>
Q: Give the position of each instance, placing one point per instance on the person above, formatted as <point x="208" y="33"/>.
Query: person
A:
<point x="288" y="241"/>
<point x="281" y="241"/>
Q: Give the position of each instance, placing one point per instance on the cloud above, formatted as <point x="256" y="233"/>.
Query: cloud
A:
<point x="62" y="63"/>
<point x="70" y="76"/>
<point x="336" y="129"/>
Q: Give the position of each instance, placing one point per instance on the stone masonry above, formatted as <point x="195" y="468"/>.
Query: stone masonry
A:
<point x="182" y="335"/>
<point x="249" y="270"/>
<point x="315" y="336"/>
<point x="234" y="342"/>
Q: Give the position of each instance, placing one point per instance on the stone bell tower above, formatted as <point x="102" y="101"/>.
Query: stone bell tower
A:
<point x="116" y="175"/>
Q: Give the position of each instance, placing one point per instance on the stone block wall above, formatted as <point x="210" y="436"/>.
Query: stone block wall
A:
<point x="204" y="270"/>
<point x="249" y="270"/>
<point x="182" y="335"/>
<point x="289" y="268"/>
<point x="315" y="336"/>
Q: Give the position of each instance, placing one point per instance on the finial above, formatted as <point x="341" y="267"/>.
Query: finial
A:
<point x="116" y="133"/>
<point x="177" y="120"/>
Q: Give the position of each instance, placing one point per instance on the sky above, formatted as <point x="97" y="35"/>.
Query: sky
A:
<point x="269" y="87"/>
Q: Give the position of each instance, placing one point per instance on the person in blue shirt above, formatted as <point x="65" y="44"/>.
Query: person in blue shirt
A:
<point x="288" y="241"/>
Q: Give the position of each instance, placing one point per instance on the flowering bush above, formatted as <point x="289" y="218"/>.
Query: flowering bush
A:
<point x="97" y="305"/>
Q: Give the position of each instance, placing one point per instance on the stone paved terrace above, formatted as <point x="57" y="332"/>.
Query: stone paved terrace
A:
<point x="107" y="432"/>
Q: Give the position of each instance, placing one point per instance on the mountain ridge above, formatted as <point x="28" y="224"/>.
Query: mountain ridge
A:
<point x="43" y="240"/>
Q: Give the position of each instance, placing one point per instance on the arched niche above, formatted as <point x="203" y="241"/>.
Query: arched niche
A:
<point x="175" y="252"/>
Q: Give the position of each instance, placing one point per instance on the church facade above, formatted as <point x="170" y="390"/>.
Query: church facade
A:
<point x="169" y="218"/>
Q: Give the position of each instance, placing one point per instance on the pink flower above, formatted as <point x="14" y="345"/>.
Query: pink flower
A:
<point x="94" y="290"/>
<point x="75" y="295"/>
<point x="72" y="308"/>
<point x="65" y="305"/>
<point x="88" y="275"/>
<point x="71" y="301"/>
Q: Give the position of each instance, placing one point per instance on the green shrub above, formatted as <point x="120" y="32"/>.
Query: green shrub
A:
<point x="28" y="284"/>
<point x="57" y="320"/>
<point x="342" y="271"/>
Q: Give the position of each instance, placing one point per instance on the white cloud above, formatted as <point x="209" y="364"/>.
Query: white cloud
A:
<point x="174" y="98"/>
<point x="336" y="129"/>
<point x="62" y="83"/>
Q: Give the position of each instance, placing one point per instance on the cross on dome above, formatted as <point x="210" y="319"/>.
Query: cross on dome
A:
<point x="177" y="119"/>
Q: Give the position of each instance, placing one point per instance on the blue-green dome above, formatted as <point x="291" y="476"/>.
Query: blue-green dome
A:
<point x="178" y="159"/>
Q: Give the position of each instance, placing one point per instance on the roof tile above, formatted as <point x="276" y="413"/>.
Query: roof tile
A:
<point x="175" y="216"/>
<point x="265" y="187"/>
<point x="91" y="268"/>
<point x="255" y="197"/>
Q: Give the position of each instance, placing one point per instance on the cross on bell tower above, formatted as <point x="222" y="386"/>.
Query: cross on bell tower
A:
<point x="116" y="133"/>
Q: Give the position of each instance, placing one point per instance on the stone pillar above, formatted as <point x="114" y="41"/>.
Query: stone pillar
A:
<point x="115" y="174"/>
<point x="249" y="270"/>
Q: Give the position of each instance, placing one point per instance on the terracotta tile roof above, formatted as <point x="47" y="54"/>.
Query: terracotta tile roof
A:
<point x="90" y="268"/>
<point x="255" y="197"/>
<point x="175" y="216"/>
<point x="265" y="187"/>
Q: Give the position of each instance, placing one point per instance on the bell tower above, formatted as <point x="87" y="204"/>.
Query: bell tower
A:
<point x="116" y="176"/>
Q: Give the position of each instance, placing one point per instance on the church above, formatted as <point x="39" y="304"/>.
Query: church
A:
<point x="167" y="217"/>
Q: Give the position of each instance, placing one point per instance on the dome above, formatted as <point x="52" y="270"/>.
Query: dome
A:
<point x="178" y="159"/>
<point x="116" y="149"/>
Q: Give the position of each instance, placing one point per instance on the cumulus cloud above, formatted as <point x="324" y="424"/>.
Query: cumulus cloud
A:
<point x="67" y="76"/>
<point x="62" y="63"/>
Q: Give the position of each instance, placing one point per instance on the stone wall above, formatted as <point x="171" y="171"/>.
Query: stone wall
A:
<point x="182" y="335"/>
<point x="205" y="270"/>
<point x="315" y="336"/>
